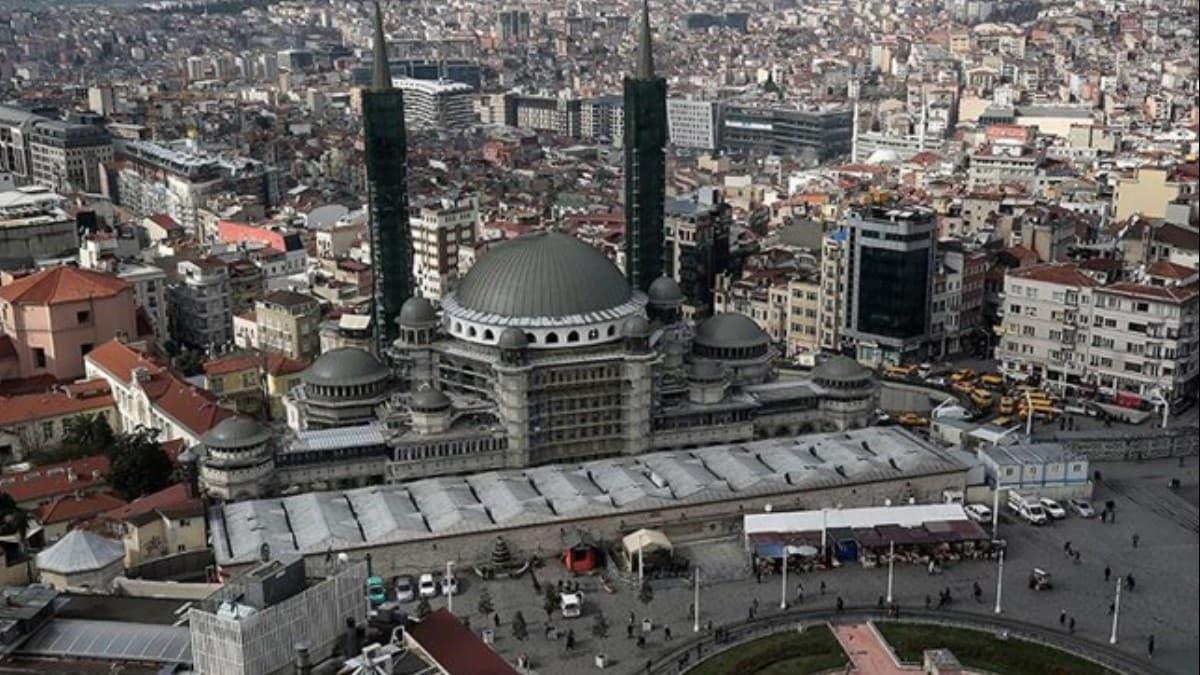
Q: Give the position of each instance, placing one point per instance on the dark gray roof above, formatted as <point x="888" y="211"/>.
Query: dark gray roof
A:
<point x="111" y="641"/>
<point x="417" y="312"/>
<point x="546" y="274"/>
<point x="513" y="338"/>
<point x="635" y="326"/>
<point x="80" y="551"/>
<point x="730" y="330"/>
<point x="429" y="399"/>
<point x="840" y="369"/>
<point x="236" y="432"/>
<point x="345" y="366"/>
<point x="664" y="292"/>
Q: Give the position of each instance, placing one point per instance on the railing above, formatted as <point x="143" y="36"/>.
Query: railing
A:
<point x="688" y="654"/>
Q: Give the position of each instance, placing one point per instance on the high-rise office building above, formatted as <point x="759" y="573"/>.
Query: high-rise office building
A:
<point x="387" y="191"/>
<point x="513" y="25"/>
<point x="889" y="275"/>
<point x="645" y="139"/>
<point x="697" y="245"/>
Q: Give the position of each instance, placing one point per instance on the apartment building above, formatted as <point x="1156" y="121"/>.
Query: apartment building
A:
<point x="436" y="104"/>
<point x="1148" y="191"/>
<point x="803" y="314"/>
<point x="200" y="307"/>
<point x="288" y="323"/>
<point x="62" y="155"/>
<point x="1004" y="164"/>
<point x="441" y="228"/>
<point x="831" y="312"/>
<point x="1126" y="339"/>
<point x="696" y="229"/>
<point x="693" y="123"/>
<point x="34" y="224"/>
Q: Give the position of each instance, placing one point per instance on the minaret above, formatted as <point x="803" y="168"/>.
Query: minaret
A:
<point x="645" y="164"/>
<point x="387" y="192"/>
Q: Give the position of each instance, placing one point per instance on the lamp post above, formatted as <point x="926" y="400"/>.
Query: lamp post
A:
<point x="641" y="557"/>
<point x="1158" y="398"/>
<point x="1116" y="611"/>
<point x="450" y="586"/>
<point x="783" y="586"/>
<point x="1028" y="416"/>
<point x="891" y="568"/>
<point x="696" y="603"/>
<point x="999" y="580"/>
<point x="996" y="506"/>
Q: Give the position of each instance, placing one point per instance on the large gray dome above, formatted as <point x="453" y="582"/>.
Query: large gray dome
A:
<point x="546" y="274"/>
<point x="730" y="330"/>
<point x="665" y="293"/>
<point x="345" y="367"/>
<point x="236" y="432"/>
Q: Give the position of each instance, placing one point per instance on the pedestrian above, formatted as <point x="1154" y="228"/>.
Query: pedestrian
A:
<point x="629" y="631"/>
<point x="1072" y="625"/>
<point x="667" y="633"/>
<point x="978" y="592"/>
<point x="840" y="604"/>
<point x="1067" y="548"/>
<point x="1104" y="515"/>
<point x="649" y="665"/>
<point x="641" y="641"/>
<point x="1062" y="618"/>
<point x="880" y="605"/>
<point x="1136" y="539"/>
<point x="928" y="601"/>
<point x="755" y="603"/>
<point x="822" y="587"/>
<point x="496" y="619"/>
<point x="691" y="611"/>
<point x="1107" y="573"/>
<point x="709" y="626"/>
<point x="1130" y="582"/>
<point x="758" y="574"/>
<point x="1150" y="646"/>
<point x="1112" y="607"/>
<point x="571" y="639"/>
<point x="632" y="619"/>
<point x="751" y="616"/>
<point x="799" y="594"/>
<point x="1078" y="557"/>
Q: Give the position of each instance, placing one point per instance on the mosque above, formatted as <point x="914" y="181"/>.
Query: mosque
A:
<point x="543" y="354"/>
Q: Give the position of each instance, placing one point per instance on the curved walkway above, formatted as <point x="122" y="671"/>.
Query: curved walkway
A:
<point x="689" y="653"/>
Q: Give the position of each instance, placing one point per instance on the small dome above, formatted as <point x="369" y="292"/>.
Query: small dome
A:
<point x="840" y="369"/>
<point x="236" y="432"/>
<point x="513" y="338"/>
<point x="724" y="331"/>
<point x="429" y="400"/>
<point x="417" y="312"/>
<point x="187" y="457"/>
<point x="345" y="367"/>
<point x="635" y="327"/>
<point x="665" y="293"/>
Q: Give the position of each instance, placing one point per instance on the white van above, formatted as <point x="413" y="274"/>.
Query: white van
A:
<point x="1029" y="510"/>
<point x="572" y="604"/>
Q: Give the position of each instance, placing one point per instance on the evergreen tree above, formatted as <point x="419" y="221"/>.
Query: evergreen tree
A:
<point x="485" y="601"/>
<point x="423" y="609"/>
<point x="550" y="600"/>
<point x="137" y="464"/>
<point x="519" y="628"/>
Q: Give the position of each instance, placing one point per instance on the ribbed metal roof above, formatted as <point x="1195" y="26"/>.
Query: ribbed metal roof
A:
<point x="545" y="274"/>
<point x="80" y="551"/>
<point x="730" y="330"/>
<point x="237" y="432"/>
<point x="345" y="367"/>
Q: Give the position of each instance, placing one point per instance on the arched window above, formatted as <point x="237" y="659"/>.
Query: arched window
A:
<point x="612" y="330"/>
<point x="471" y="331"/>
<point x="488" y="335"/>
<point x="552" y="338"/>
<point x="457" y="327"/>
<point x="593" y="334"/>
<point x="531" y="338"/>
<point x="573" y="336"/>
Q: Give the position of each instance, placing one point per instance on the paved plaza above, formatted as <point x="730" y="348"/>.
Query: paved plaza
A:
<point x="1163" y="603"/>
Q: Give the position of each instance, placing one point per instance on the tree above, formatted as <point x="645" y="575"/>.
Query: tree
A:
<point x="189" y="362"/>
<point x="646" y="593"/>
<point x="485" y="601"/>
<point x="137" y="464"/>
<point x="600" y="625"/>
<point x="519" y="628"/>
<point x="550" y="600"/>
<point x="423" y="609"/>
<point x="13" y="519"/>
<point x="86" y="435"/>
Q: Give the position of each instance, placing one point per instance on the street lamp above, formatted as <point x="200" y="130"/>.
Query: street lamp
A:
<point x="1116" y="611"/>
<point x="450" y="586"/>
<point x="783" y="587"/>
<point x="696" y="604"/>
<point x="891" y="567"/>
<point x="641" y="557"/>
<point x="1158" y="398"/>
<point x="999" y="580"/>
<point x="1028" y="415"/>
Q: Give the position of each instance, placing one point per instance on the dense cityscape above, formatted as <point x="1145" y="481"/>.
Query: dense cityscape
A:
<point x="781" y="336"/>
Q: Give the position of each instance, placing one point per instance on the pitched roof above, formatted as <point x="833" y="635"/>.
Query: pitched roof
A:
<point x="278" y="364"/>
<point x="69" y="508"/>
<point x="119" y="360"/>
<point x="1169" y="270"/>
<point x="232" y="363"/>
<point x="80" y="551"/>
<point x="1160" y="293"/>
<point x="1065" y="274"/>
<point x="50" y="404"/>
<point x="173" y="500"/>
<point x="455" y="648"/>
<point x="55" y="479"/>
<point x="62" y="284"/>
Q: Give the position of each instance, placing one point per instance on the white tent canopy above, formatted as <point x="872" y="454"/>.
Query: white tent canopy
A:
<point x="872" y="516"/>
<point x="645" y="540"/>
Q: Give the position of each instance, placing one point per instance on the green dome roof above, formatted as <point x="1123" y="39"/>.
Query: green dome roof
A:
<point x="545" y="274"/>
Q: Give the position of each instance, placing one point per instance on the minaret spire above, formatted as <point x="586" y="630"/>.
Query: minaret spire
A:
<point x="381" y="74"/>
<point x="645" y="70"/>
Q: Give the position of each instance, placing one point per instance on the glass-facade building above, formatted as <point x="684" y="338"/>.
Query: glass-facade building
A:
<point x="387" y="191"/>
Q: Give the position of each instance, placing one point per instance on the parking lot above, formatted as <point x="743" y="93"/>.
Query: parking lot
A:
<point x="1163" y="603"/>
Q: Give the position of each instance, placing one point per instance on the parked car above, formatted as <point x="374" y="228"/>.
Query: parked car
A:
<point x="1082" y="508"/>
<point x="572" y="604"/>
<point x="449" y="585"/>
<point x="426" y="587"/>
<point x="1053" y="508"/>
<point x="978" y="513"/>
<point x="1030" y="511"/>
<point x="405" y="592"/>
<point x="376" y="592"/>
<point x="1039" y="580"/>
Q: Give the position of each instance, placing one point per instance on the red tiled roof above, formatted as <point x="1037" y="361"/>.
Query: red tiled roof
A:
<point x="1169" y="270"/>
<point x="55" y="479"/>
<point x="33" y="407"/>
<point x="69" y="508"/>
<point x="230" y="364"/>
<point x="278" y="364"/>
<point x="171" y="500"/>
<point x="1162" y="293"/>
<point x="1065" y="274"/>
<point x="62" y="284"/>
<point x="456" y="649"/>
<point x="119" y="359"/>
<point x="165" y="221"/>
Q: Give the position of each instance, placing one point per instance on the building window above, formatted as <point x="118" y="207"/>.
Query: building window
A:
<point x="83" y="317"/>
<point x="85" y="348"/>
<point x="39" y="357"/>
